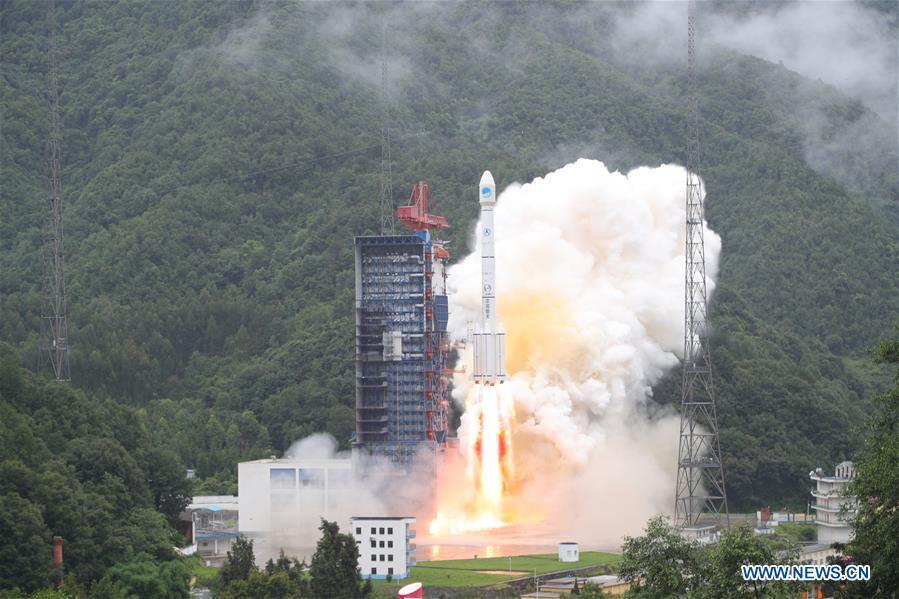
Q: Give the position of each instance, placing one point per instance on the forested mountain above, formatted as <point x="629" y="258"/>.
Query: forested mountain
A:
<point x="219" y="157"/>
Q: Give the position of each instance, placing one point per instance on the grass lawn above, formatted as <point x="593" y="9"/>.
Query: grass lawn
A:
<point x="469" y="572"/>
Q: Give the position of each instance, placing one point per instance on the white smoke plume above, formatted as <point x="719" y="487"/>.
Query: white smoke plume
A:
<point x="590" y="278"/>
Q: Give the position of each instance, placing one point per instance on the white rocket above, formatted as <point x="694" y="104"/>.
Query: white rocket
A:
<point x="488" y="338"/>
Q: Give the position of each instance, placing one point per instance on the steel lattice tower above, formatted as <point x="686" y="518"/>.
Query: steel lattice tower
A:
<point x="56" y="326"/>
<point x="700" y="473"/>
<point x="386" y="203"/>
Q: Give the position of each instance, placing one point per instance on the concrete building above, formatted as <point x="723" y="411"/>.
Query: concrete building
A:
<point x="386" y="546"/>
<point x="282" y="501"/>
<point x="834" y="507"/>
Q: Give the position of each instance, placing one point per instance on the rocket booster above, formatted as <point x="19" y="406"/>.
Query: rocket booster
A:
<point x="488" y="339"/>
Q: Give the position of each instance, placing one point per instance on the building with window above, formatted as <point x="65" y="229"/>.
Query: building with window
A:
<point x="282" y="502"/>
<point x="834" y="507"/>
<point x="210" y="524"/>
<point x="401" y="338"/>
<point x="386" y="546"/>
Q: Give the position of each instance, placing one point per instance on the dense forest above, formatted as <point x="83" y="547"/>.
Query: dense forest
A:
<point x="218" y="158"/>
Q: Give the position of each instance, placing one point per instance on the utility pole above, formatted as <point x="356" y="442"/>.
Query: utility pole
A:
<point x="386" y="203"/>
<point x="700" y="473"/>
<point x="56" y="333"/>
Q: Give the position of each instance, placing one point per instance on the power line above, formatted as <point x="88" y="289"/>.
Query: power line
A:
<point x="301" y="162"/>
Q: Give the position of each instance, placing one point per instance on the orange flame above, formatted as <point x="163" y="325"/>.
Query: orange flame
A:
<point x="489" y="466"/>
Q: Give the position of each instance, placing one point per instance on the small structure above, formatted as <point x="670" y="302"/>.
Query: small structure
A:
<point x="569" y="552"/>
<point x="212" y="522"/>
<point x="386" y="546"/>
<point x="562" y="587"/>
<point x="834" y="508"/>
<point x="702" y="534"/>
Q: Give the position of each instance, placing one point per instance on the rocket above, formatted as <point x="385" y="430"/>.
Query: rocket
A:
<point x="488" y="338"/>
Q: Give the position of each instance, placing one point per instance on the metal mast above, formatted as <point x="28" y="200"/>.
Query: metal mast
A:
<point x="700" y="474"/>
<point x="386" y="204"/>
<point x="57" y="336"/>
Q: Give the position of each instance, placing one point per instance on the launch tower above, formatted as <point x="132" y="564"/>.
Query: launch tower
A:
<point x="401" y="339"/>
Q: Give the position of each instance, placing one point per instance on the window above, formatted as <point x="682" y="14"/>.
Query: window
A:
<point x="374" y="570"/>
<point x="390" y="531"/>
<point x="358" y="530"/>
<point x="312" y="477"/>
<point x="373" y="544"/>
<point x="381" y="544"/>
<point x="382" y="557"/>
<point x="374" y="557"/>
<point x="390" y="543"/>
<point x="390" y="571"/>
<point x="373" y="530"/>
<point x="382" y="531"/>
<point x="389" y="557"/>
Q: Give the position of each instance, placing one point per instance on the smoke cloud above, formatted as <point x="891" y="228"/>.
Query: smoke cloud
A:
<point x="590" y="267"/>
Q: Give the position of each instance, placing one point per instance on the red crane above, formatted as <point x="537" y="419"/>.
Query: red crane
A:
<point x="416" y="215"/>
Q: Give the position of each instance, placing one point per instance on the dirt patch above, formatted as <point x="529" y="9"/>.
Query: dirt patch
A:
<point x="506" y="572"/>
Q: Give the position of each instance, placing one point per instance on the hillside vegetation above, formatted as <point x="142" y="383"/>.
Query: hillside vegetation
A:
<point x="220" y="156"/>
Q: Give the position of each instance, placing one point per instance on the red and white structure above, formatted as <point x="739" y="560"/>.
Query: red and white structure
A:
<point x="488" y="339"/>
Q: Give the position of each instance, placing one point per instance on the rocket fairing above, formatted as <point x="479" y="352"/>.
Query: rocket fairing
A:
<point x="488" y="338"/>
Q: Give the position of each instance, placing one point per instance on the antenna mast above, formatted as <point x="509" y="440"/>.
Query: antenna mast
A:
<point x="386" y="203"/>
<point x="700" y="473"/>
<point x="57" y="336"/>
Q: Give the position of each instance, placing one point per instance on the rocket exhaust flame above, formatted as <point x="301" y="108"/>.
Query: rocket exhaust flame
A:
<point x="589" y="267"/>
<point x="489" y="468"/>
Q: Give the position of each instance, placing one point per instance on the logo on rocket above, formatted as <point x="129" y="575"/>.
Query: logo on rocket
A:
<point x="488" y="339"/>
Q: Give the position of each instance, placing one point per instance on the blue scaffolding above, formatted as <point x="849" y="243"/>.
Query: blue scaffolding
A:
<point x="401" y="347"/>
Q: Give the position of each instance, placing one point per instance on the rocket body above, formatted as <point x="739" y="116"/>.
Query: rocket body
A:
<point x="488" y="338"/>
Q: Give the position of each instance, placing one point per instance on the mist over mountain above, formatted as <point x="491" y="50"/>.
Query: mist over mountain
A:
<point x="219" y="157"/>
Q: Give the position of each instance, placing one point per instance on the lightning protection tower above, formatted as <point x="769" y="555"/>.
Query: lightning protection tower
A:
<point x="701" y="500"/>
<point x="55" y="323"/>
<point x="386" y="201"/>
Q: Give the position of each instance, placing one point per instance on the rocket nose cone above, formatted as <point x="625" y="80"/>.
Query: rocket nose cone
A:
<point x="487" y="189"/>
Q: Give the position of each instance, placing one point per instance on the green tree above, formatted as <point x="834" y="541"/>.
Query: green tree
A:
<point x="25" y="550"/>
<point x="240" y="562"/>
<point x="592" y="591"/>
<point x="146" y="578"/>
<point x="876" y="485"/>
<point x="659" y="564"/>
<point x="721" y="575"/>
<point x="169" y="486"/>
<point x="335" y="565"/>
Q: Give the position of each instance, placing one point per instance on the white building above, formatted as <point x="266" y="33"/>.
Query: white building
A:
<point x="569" y="552"/>
<point x="282" y="502"/>
<point x="386" y="546"/>
<point x="834" y="507"/>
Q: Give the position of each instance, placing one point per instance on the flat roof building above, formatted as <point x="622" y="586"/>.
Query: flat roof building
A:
<point x="282" y="501"/>
<point x="386" y="546"/>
